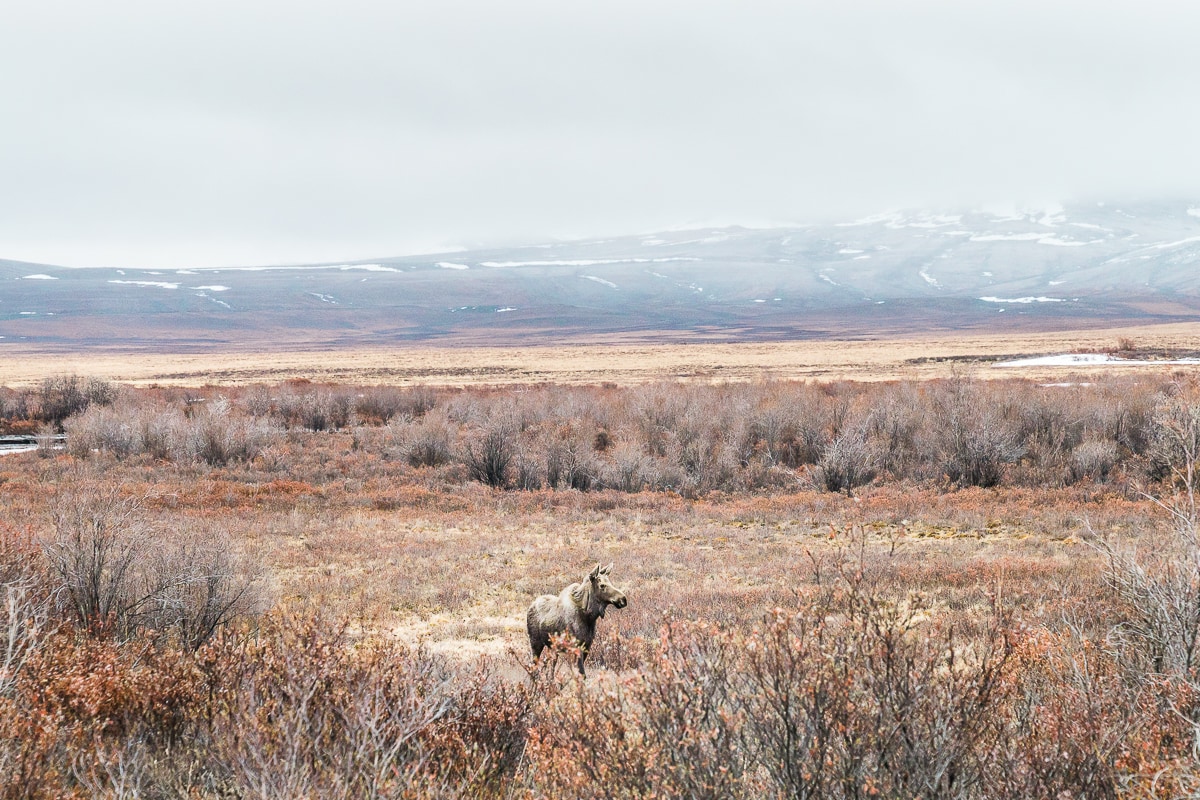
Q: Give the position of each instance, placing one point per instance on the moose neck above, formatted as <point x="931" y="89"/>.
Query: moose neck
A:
<point x="590" y="606"/>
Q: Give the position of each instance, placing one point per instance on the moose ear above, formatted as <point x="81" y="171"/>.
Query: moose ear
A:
<point x="606" y="570"/>
<point x="595" y="573"/>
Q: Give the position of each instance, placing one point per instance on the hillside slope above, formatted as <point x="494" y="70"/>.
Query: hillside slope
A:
<point x="1078" y="266"/>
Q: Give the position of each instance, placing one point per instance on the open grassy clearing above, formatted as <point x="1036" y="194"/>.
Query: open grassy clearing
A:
<point x="455" y="568"/>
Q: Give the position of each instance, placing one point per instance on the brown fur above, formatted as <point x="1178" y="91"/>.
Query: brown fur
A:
<point x="574" y="611"/>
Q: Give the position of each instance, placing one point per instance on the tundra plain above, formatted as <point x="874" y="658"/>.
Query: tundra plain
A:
<point x="599" y="359"/>
<point x="854" y="569"/>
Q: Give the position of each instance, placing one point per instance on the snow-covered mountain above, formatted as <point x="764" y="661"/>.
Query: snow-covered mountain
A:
<point x="1101" y="263"/>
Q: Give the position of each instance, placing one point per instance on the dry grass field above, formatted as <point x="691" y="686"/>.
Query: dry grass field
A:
<point x="307" y="576"/>
<point x="879" y="358"/>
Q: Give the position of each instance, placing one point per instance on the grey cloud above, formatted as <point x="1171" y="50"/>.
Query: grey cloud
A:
<point x="147" y="132"/>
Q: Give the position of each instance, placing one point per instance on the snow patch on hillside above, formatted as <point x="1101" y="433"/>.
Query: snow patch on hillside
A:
<point x="1063" y="242"/>
<point x="1007" y="237"/>
<point x="366" y="267"/>
<point x="1022" y="299"/>
<point x="38" y="277"/>
<point x="582" y="262"/>
<point x="1165" y="245"/>
<point x="1040" y="238"/>
<point x="159" y="284"/>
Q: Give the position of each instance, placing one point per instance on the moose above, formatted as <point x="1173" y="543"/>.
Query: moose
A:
<point x="574" y="611"/>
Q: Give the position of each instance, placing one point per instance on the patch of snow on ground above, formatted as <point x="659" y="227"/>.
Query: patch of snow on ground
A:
<point x="848" y="251"/>
<point x="367" y="268"/>
<point x="932" y="281"/>
<point x="38" y="277"/>
<point x="1053" y="217"/>
<point x="1194" y="212"/>
<point x="1007" y="237"/>
<point x="609" y="284"/>
<point x="215" y="300"/>
<point x="185" y="272"/>
<point x="1088" y="359"/>
<point x="505" y="310"/>
<point x="1063" y="242"/>
<point x="159" y="284"/>
<point x="452" y="265"/>
<point x="324" y="298"/>
<point x="1006" y="214"/>
<point x="582" y="262"/>
<point x="859" y="258"/>
<point x="1165" y="245"/>
<point x="1040" y="238"/>
<point x="300" y="268"/>
<point x="214" y="288"/>
<point x="1022" y="300"/>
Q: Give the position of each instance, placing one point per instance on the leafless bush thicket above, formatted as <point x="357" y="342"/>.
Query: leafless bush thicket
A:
<point x="690" y="439"/>
<point x="847" y="462"/>
<point x="1156" y="582"/>
<point x="60" y="397"/>
<point x="114" y="573"/>
<point x="854" y="693"/>
<point x="489" y="455"/>
<point x="213" y="433"/>
<point x="974" y="438"/>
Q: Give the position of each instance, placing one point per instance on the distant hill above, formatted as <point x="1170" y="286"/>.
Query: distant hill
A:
<point x="1071" y="267"/>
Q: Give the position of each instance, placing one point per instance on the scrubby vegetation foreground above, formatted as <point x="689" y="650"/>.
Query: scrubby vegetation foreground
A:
<point x="942" y="590"/>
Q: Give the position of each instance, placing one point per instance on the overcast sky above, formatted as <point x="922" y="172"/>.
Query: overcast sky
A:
<point x="239" y="131"/>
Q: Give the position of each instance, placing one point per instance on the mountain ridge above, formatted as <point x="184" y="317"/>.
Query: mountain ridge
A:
<point x="1084" y="265"/>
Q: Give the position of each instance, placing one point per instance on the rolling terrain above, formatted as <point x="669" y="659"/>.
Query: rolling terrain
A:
<point x="1075" y="267"/>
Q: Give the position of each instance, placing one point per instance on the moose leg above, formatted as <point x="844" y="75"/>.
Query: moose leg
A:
<point x="537" y="642"/>
<point x="583" y="651"/>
